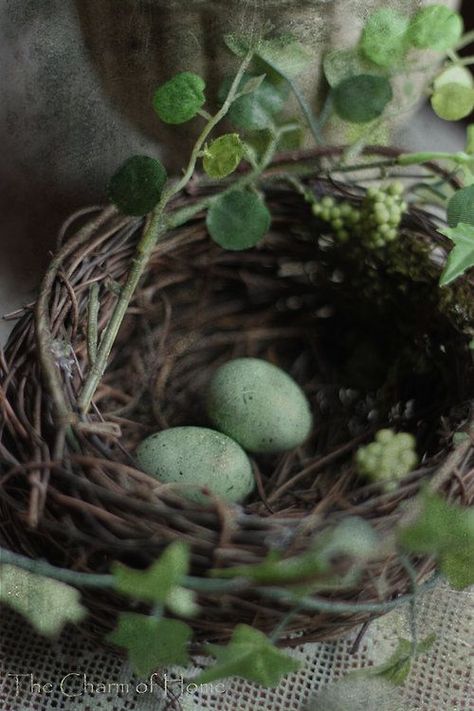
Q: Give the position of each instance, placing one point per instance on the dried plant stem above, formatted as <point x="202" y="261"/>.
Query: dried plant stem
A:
<point x="92" y="333"/>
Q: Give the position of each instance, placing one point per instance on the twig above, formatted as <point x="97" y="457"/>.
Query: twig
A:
<point x="314" y="604"/>
<point x="93" y="315"/>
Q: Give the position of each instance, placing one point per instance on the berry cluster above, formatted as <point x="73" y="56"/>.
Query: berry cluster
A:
<point x="375" y="222"/>
<point x="388" y="459"/>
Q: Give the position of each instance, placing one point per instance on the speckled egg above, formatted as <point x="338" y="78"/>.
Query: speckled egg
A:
<point x="259" y="406"/>
<point x="197" y="457"/>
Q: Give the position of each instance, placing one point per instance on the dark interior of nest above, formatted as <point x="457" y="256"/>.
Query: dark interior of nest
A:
<point x="371" y="339"/>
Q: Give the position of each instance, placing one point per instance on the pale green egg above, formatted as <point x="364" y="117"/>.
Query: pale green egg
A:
<point x="259" y="406"/>
<point x="197" y="457"/>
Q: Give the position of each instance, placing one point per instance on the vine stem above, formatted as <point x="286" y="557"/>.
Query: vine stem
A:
<point x="307" y="603"/>
<point x="63" y="575"/>
<point x="461" y="158"/>
<point x="465" y="40"/>
<point x="156" y="229"/>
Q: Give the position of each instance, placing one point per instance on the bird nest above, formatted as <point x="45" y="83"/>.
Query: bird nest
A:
<point x="372" y="340"/>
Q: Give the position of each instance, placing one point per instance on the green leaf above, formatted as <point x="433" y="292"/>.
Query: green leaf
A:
<point x="285" y="54"/>
<point x="238" y="220"/>
<point x="397" y="668"/>
<point x="180" y="98"/>
<point x="461" y="207"/>
<point x="255" y="111"/>
<point x="453" y="102"/>
<point x="461" y="258"/>
<point x="182" y="602"/>
<point x="157" y="582"/>
<point x="435" y="27"/>
<point x="47" y="604"/>
<point x="454" y="74"/>
<point x="445" y="531"/>
<point x="384" y="38"/>
<point x="152" y="642"/>
<point x="137" y="185"/>
<point x="340" y="64"/>
<point x="223" y="155"/>
<point x="249" y="655"/>
<point x="362" y="98"/>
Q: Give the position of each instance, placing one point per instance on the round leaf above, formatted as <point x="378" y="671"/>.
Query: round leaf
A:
<point x="461" y="207"/>
<point x="453" y="102"/>
<point x="454" y="74"/>
<point x="285" y="54"/>
<point x="238" y="220"/>
<point x="223" y="155"/>
<point x="342" y="63"/>
<point x="384" y="37"/>
<point x="255" y="111"/>
<point x="435" y="27"/>
<point x="180" y="98"/>
<point x="137" y="185"/>
<point x="362" y="98"/>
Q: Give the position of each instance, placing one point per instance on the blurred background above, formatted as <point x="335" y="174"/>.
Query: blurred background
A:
<point x="74" y="99"/>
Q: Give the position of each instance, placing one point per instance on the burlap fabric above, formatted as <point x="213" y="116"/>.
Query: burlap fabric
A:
<point x="74" y="673"/>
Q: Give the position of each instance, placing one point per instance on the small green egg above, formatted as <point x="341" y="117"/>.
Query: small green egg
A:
<point x="259" y="406"/>
<point x="197" y="457"/>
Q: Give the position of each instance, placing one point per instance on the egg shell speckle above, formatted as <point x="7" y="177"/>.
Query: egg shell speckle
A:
<point x="197" y="457"/>
<point x="259" y="405"/>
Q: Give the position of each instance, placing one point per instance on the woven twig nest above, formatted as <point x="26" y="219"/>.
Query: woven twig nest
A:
<point x="372" y="343"/>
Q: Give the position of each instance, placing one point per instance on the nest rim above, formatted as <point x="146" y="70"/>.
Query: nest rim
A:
<point x="224" y="528"/>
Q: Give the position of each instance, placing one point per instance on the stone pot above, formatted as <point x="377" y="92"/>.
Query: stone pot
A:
<point x="137" y="44"/>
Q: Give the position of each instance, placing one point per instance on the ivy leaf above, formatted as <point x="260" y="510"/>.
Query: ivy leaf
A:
<point x="137" y="185"/>
<point x="223" y="155"/>
<point x="182" y="602"/>
<point x="249" y="655"/>
<point x="461" y="207"/>
<point x="362" y="98"/>
<point x="284" y="54"/>
<point x="340" y="64"/>
<point x="397" y="668"/>
<point x="435" y="27"/>
<point x="152" y="642"/>
<point x="47" y="604"/>
<point x="453" y="102"/>
<point x="180" y="99"/>
<point x="445" y="531"/>
<point x="155" y="584"/>
<point x="384" y="39"/>
<point x="255" y="111"/>
<point x="238" y="220"/>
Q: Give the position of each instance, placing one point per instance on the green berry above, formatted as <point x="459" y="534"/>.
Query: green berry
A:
<point x="327" y="201"/>
<point x="388" y="459"/>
